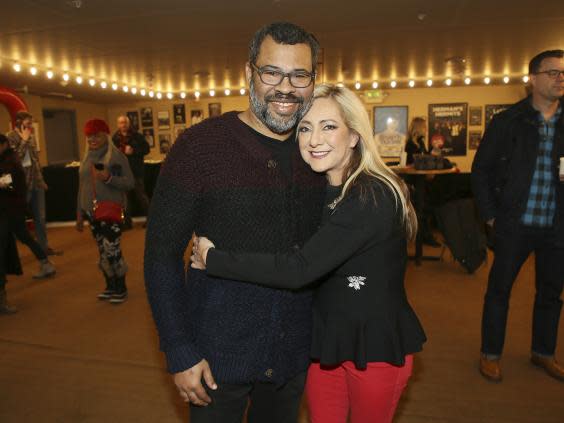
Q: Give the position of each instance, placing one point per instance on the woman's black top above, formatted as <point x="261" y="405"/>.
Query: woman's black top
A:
<point x="357" y="261"/>
<point x="414" y="147"/>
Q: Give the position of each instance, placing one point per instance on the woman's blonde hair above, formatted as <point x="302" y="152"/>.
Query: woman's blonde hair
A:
<point x="417" y="128"/>
<point x="365" y="160"/>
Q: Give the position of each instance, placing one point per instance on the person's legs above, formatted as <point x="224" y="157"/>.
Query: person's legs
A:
<point x="549" y="267"/>
<point x="36" y="202"/>
<point x="5" y="306"/>
<point x="327" y="395"/>
<point x="276" y="404"/>
<point x="140" y="194"/>
<point x="512" y="247"/>
<point x="375" y="391"/>
<point x="19" y="229"/>
<point x="228" y="405"/>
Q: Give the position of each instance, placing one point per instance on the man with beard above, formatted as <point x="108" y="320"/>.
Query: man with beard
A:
<point x="239" y="179"/>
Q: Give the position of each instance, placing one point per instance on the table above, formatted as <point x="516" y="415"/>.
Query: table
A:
<point x="419" y="201"/>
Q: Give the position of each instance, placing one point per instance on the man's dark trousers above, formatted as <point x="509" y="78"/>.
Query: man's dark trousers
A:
<point x="268" y="403"/>
<point x="514" y="243"/>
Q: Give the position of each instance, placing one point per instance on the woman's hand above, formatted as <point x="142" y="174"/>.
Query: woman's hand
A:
<point x="102" y="175"/>
<point x="200" y="252"/>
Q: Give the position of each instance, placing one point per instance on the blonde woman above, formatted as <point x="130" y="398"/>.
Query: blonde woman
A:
<point x="415" y="143"/>
<point x="364" y="330"/>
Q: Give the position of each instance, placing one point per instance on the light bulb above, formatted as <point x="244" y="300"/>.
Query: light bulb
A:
<point x="487" y="80"/>
<point x="393" y="84"/>
<point x="151" y="93"/>
<point x="103" y="84"/>
<point x="182" y="95"/>
<point x="374" y="85"/>
<point x="33" y="70"/>
<point x="92" y="82"/>
<point x="526" y="79"/>
<point x="49" y="74"/>
<point x="125" y="88"/>
<point x="142" y="92"/>
<point x="227" y="91"/>
<point x="66" y="76"/>
<point x="159" y="95"/>
<point x="169" y="96"/>
<point x="78" y="79"/>
<point x="212" y="93"/>
<point x="467" y="81"/>
<point x="411" y="83"/>
<point x="429" y="82"/>
<point x="506" y="79"/>
<point x="133" y="90"/>
<point x="242" y="91"/>
<point x="114" y="86"/>
<point x="448" y="82"/>
<point x="17" y="67"/>
<point x="357" y="85"/>
<point x="197" y="94"/>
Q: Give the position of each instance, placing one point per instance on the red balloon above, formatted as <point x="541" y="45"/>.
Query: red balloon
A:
<point x="13" y="102"/>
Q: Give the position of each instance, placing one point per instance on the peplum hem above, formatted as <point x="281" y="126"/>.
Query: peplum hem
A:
<point x="340" y="338"/>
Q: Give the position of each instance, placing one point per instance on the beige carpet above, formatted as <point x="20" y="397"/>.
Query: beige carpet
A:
<point x="68" y="358"/>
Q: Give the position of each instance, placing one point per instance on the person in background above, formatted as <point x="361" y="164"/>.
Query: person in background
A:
<point x="415" y="144"/>
<point x="135" y="147"/>
<point x="12" y="219"/>
<point x="107" y="170"/>
<point x="365" y="332"/>
<point x="516" y="184"/>
<point x="22" y="140"/>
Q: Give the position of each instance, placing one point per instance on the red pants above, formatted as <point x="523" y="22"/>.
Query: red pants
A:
<point x="371" y="394"/>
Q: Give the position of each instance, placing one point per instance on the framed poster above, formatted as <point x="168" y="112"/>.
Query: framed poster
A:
<point x="196" y="116"/>
<point x="390" y="129"/>
<point x="214" y="109"/>
<point x="494" y="109"/>
<point x="448" y="128"/>
<point x="146" y="116"/>
<point x="474" y="138"/>
<point x="133" y="117"/>
<point x="164" y="143"/>
<point x="163" y="118"/>
<point x="149" y="134"/>
<point x="179" y="112"/>
<point x="475" y="116"/>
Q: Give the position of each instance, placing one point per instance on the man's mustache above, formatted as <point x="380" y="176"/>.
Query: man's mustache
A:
<point x="286" y="98"/>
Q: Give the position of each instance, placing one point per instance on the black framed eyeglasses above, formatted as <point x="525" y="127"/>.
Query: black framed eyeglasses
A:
<point x="552" y="73"/>
<point x="270" y="76"/>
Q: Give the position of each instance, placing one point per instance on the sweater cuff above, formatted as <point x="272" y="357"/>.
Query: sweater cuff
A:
<point x="182" y="358"/>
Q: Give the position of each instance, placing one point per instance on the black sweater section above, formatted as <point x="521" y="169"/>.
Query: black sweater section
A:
<point x="13" y="198"/>
<point x="217" y="182"/>
<point x="359" y="255"/>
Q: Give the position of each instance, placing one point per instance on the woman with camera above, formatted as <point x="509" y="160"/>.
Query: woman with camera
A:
<point x="104" y="179"/>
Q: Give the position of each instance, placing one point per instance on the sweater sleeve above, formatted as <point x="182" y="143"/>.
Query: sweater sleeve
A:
<point x="171" y="222"/>
<point x="351" y="228"/>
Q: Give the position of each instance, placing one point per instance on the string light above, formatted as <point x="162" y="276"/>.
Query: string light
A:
<point x="242" y="91"/>
<point x="92" y="82"/>
<point x="66" y="77"/>
<point x="467" y="80"/>
<point x="159" y="95"/>
<point x="197" y="94"/>
<point x="506" y="79"/>
<point x="114" y="86"/>
<point x="33" y="70"/>
<point x="393" y="84"/>
<point x="227" y="91"/>
<point x="133" y="90"/>
<point x="103" y="84"/>
<point x="78" y="79"/>
<point x="429" y="82"/>
<point x="212" y="93"/>
<point x="169" y="96"/>
<point x="125" y="88"/>
<point x="374" y="84"/>
<point x="448" y="82"/>
<point x="49" y="74"/>
<point x="151" y="93"/>
<point x="143" y="92"/>
<point x="357" y="85"/>
<point x="17" y="67"/>
<point x="183" y="95"/>
<point x="487" y="80"/>
<point x="411" y="83"/>
<point x="526" y="79"/>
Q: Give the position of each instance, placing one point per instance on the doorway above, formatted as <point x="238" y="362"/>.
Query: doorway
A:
<point x="60" y="136"/>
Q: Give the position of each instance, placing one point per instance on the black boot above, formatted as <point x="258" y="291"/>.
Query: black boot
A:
<point x="120" y="294"/>
<point x="5" y="307"/>
<point x="110" y="289"/>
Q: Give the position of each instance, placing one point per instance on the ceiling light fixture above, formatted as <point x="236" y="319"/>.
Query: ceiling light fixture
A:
<point x="92" y="82"/>
<point x="159" y="95"/>
<point x="393" y="84"/>
<point x="114" y="86"/>
<point x="448" y="82"/>
<point x="142" y="92"/>
<point x="125" y="89"/>
<point x="526" y="79"/>
<point x="411" y="83"/>
<point x="374" y="84"/>
<point x="197" y="94"/>
<point x="17" y="67"/>
<point x="66" y="76"/>
<point x="33" y="70"/>
<point x="227" y="91"/>
<point x="133" y="90"/>
<point x="487" y="80"/>
<point x="183" y="95"/>
<point x="169" y="96"/>
<point x="357" y="85"/>
<point x="103" y="84"/>
<point x="79" y="79"/>
<point x="506" y="79"/>
<point x="151" y="93"/>
<point x="467" y="80"/>
<point x="49" y="74"/>
<point x="212" y="93"/>
<point x="242" y="91"/>
<point x="429" y="82"/>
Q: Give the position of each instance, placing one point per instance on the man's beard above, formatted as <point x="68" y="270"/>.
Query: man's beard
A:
<point x="277" y="124"/>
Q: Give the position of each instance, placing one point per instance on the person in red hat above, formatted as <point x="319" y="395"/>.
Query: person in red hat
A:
<point x="104" y="179"/>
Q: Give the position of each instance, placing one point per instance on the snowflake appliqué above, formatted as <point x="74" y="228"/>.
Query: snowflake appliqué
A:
<point x="356" y="282"/>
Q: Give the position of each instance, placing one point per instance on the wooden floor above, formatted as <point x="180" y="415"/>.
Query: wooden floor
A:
<point x="68" y="358"/>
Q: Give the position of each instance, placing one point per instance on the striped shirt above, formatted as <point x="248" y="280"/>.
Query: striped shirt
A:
<point x="541" y="204"/>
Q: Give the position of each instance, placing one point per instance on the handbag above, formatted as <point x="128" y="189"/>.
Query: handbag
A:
<point x="105" y="211"/>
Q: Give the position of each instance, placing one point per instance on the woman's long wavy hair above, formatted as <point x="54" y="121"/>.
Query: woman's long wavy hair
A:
<point x="365" y="162"/>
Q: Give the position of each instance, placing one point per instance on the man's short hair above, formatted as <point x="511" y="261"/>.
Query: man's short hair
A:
<point x="535" y="63"/>
<point x="23" y="115"/>
<point x="284" y="33"/>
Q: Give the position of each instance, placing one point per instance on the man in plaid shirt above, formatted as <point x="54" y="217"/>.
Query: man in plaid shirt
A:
<point x="516" y="183"/>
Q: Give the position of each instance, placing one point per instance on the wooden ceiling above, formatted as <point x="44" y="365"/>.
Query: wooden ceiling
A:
<point x="186" y="45"/>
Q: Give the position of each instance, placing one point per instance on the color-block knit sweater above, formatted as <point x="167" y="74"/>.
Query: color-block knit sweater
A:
<point x="221" y="182"/>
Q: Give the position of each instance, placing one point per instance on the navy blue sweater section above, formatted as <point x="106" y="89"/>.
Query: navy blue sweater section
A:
<point x="219" y="181"/>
